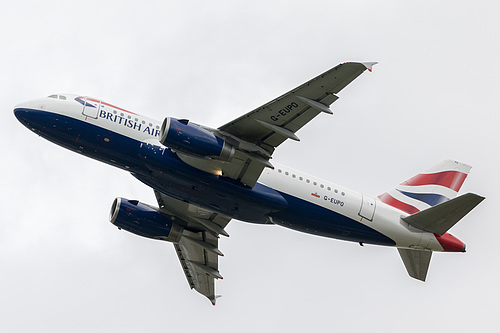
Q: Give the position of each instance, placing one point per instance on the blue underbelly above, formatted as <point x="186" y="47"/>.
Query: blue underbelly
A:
<point x="162" y="170"/>
<point x="156" y="166"/>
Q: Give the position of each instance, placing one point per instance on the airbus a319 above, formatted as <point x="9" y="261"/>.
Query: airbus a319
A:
<point x="204" y="177"/>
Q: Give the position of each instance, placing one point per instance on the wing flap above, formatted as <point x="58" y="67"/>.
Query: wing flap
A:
<point x="199" y="265"/>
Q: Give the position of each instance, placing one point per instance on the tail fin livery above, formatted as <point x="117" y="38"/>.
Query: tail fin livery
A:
<point x="427" y="189"/>
<point x="430" y="199"/>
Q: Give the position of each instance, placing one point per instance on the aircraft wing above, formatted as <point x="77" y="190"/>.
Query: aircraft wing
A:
<point x="274" y="122"/>
<point x="256" y="134"/>
<point x="260" y="131"/>
<point x="198" y="247"/>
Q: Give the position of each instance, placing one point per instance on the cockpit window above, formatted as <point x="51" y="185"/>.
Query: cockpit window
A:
<point x="58" y="96"/>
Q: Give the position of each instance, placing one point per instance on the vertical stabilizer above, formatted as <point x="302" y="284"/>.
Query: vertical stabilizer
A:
<point x="427" y="189"/>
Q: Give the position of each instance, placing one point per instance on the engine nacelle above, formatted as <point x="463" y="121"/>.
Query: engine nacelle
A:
<point x="191" y="139"/>
<point x="143" y="220"/>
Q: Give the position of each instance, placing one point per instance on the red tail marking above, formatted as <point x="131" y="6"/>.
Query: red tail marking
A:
<point x="449" y="179"/>
<point x="450" y="243"/>
<point x="388" y="199"/>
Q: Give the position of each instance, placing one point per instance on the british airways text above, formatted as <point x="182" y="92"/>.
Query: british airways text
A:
<point x="151" y="130"/>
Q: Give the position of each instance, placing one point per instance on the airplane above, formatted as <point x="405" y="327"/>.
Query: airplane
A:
<point x="203" y="177"/>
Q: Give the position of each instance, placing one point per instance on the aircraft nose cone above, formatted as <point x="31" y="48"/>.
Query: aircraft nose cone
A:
<point x="21" y="112"/>
<point x="19" y="108"/>
<point x="26" y="113"/>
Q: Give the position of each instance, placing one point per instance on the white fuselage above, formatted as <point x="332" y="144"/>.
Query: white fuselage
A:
<point x="362" y="211"/>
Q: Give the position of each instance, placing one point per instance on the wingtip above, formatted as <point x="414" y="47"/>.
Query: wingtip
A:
<point x="213" y="300"/>
<point x="369" y="65"/>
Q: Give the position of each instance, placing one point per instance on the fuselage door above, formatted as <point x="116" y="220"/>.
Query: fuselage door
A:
<point x="91" y="107"/>
<point x="367" y="209"/>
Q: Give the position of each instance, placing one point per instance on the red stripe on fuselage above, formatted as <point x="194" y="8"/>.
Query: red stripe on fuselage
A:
<point x="107" y="104"/>
<point x="391" y="201"/>
<point x="450" y="179"/>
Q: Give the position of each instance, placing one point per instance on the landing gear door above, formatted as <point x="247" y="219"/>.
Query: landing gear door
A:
<point x="367" y="209"/>
<point x="91" y="107"/>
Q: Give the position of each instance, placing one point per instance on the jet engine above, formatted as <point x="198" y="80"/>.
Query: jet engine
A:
<point x="191" y="139"/>
<point x="143" y="220"/>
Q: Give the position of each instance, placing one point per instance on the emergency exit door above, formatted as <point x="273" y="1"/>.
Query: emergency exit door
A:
<point x="91" y="107"/>
<point x="367" y="209"/>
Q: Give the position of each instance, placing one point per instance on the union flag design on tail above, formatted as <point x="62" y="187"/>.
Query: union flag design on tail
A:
<point x="430" y="188"/>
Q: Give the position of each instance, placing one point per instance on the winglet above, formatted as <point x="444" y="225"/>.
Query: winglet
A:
<point x="369" y="65"/>
<point x="214" y="299"/>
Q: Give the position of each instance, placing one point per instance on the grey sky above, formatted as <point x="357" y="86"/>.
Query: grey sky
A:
<point x="434" y="95"/>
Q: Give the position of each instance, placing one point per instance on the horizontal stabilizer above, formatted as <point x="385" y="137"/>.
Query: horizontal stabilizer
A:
<point x="416" y="262"/>
<point x="440" y="218"/>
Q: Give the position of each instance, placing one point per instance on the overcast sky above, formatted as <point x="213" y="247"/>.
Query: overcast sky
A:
<point x="434" y="95"/>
